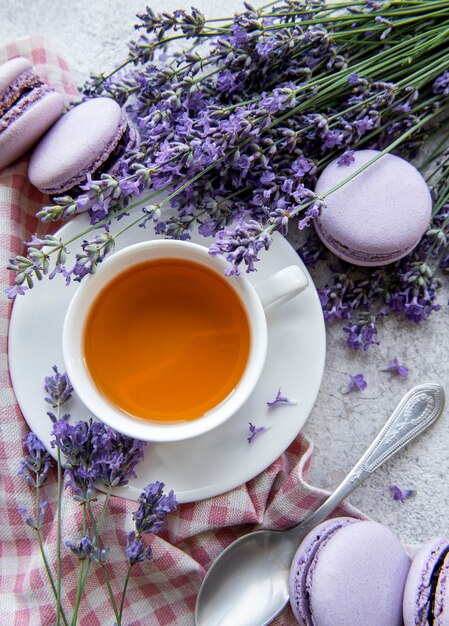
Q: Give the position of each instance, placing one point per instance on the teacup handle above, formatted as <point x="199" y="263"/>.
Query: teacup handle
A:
<point x="281" y="286"/>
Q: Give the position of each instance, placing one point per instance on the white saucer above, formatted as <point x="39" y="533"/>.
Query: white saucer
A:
<point x="220" y="460"/>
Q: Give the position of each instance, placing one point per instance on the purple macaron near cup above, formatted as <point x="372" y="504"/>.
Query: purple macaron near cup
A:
<point x="28" y="107"/>
<point x="426" y="595"/>
<point x="348" y="572"/>
<point x="379" y="216"/>
<point x="89" y="139"/>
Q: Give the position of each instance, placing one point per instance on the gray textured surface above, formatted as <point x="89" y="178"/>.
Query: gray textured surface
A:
<point x="92" y="36"/>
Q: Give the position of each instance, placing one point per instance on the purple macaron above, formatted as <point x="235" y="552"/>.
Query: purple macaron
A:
<point x="28" y="108"/>
<point x="379" y="216"/>
<point x="89" y="139"/>
<point x="348" y="572"/>
<point x="426" y="595"/>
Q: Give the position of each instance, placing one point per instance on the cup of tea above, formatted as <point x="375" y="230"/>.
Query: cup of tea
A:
<point x="160" y="345"/>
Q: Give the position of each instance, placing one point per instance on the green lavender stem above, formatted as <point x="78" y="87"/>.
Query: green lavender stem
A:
<point x="45" y="561"/>
<point x="97" y="530"/>
<point x="125" y="587"/>
<point x="58" y="532"/>
<point x="81" y="565"/>
<point x="58" y="538"/>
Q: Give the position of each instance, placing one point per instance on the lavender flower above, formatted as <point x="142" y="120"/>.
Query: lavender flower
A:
<point x="82" y="549"/>
<point x="441" y="85"/>
<point x="116" y="456"/>
<point x="92" y="452"/>
<point x="58" y="388"/>
<point x="99" y="555"/>
<point x="280" y="399"/>
<point x="35" y="524"/>
<point x="401" y="494"/>
<point x="362" y="333"/>
<point x="153" y="507"/>
<point x="396" y="368"/>
<point x="357" y="383"/>
<point x="15" y="290"/>
<point x="346" y="158"/>
<point x="36" y="463"/>
<point x="254" y="431"/>
<point x="135" y="549"/>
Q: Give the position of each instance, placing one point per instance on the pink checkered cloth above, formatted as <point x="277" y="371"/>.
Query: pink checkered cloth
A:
<point x="161" y="591"/>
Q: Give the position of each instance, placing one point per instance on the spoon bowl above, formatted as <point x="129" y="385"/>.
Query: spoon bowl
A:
<point x="247" y="585"/>
<point x="259" y="552"/>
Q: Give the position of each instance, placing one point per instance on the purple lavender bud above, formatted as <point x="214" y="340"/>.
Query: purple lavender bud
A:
<point x="346" y="158"/>
<point x="117" y="457"/>
<point x="15" y="290"/>
<point x="401" y="494"/>
<point x="280" y="399"/>
<point x="41" y="515"/>
<point x="36" y="463"/>
<point x="357" y="383"/>
<point x="254" y="431"/>
<point x="153" y="507"/>
<point x="58" y="388"/>
<point x="99" y="554"/>
<point x="27" y="518"/>
<point x="136" y="550"/>
<point x="82" y="549"/>
<point x="441" y="84"/>
<point x="396" y="368"/>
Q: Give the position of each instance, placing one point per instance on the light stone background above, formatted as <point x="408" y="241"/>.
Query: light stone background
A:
<point x="92" y="36"/>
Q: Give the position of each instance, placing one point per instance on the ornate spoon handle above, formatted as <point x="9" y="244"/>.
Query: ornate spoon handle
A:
<point x="417" y="410"/>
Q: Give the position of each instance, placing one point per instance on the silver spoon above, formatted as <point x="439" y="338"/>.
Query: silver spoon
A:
<point x="247" y="585"/>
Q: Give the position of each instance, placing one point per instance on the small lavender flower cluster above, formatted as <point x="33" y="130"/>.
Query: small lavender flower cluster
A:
<point x="234" y="131"/>
<point x="34" y="469"/>
<point x="149" y="518"/>
<point x="93" y="452"/>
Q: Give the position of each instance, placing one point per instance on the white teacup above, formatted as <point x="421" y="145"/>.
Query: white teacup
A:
<point x="275" y="290"/>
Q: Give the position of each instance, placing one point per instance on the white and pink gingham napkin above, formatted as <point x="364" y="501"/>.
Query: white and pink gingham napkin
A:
<point x="161" y="591"/>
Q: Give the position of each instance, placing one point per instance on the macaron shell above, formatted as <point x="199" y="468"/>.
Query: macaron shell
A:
<point x="440" y="609"/>
<point x="358" y="577"/>
<point x="360" y="258"/>
<point x="11" y="70"/>
<point x="302" y="560"/>
<point x="25" y="129"/>
<point x="76" y="145"/>
<point x="377" y="217"/>
<point x="419" y="582"/>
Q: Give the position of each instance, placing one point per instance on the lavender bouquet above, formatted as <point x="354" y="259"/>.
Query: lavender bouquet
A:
<point x="238" y="116"/>
<point x="92" y="456"/>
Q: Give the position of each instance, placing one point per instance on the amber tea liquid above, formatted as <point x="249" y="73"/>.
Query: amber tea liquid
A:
<point x="167" y="340"/>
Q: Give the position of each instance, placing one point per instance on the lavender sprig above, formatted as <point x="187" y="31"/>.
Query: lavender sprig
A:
<point x="34" y="468"/>
<point x="91" y="453"/>
<point x="58" y="388"/>
<point x="154" y="505"/>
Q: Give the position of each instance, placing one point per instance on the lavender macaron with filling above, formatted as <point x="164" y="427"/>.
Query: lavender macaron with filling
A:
<point x="348" y="572"/>
<point x="426" y="595"/>
<point x="28" y="107"/>
<point x="379" y="216"/>
<point x="89" y="139"/>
